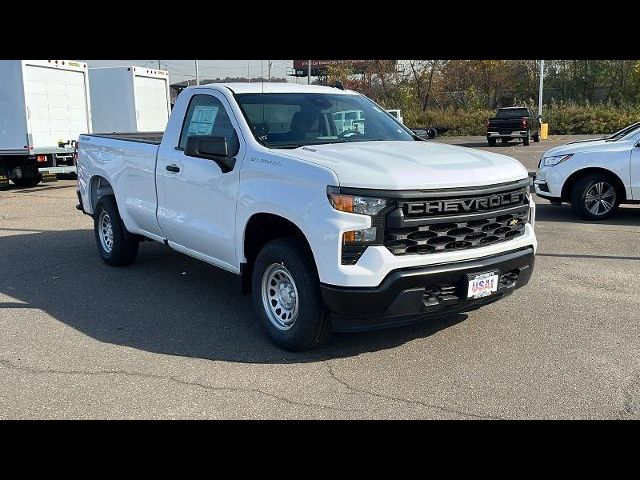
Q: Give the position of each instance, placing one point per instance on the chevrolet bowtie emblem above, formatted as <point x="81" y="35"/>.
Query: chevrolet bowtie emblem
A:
<point x="513" y="222"/>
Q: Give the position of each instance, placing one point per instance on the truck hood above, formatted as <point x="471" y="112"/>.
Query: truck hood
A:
<point x="411" y="165"/>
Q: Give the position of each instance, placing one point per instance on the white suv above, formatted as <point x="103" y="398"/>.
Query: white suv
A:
<point x="594" y="176"/>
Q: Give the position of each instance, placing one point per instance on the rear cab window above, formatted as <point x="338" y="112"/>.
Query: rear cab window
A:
<point x="512" y="113"/>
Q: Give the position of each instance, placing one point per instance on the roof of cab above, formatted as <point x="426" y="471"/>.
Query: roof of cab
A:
<point x="272" y="87"/>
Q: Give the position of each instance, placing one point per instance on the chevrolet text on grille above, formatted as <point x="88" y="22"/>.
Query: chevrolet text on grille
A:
<point x="465" y="205"/>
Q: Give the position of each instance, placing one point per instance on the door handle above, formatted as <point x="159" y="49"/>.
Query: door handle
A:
<point x="173" y="168"/>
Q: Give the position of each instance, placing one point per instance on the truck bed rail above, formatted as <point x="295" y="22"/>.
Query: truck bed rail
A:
<point x="145" y="137"/>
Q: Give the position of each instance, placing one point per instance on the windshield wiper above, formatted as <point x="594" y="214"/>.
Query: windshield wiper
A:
<point x="286" y="145"/>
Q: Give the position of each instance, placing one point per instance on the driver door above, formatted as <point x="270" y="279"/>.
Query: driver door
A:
<point x="196" y="199"/>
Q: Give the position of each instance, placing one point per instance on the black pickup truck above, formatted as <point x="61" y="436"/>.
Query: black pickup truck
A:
<point x="513" y="122"/>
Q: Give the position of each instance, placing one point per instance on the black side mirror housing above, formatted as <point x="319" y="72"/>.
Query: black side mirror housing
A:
<point x="211" y="148"/>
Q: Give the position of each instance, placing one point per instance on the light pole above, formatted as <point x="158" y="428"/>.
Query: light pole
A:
<point x="197" y="74"/>
<point x="309" y="72"/>
<point x="540" y="91"/>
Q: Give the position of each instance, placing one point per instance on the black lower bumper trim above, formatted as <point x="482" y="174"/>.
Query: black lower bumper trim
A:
<point x="549" y="197"/>
<point x="408" y="295"/>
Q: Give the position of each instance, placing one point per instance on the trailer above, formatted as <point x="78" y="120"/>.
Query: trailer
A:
<point x="129" y="99"/>
<point x="44" y="107"/>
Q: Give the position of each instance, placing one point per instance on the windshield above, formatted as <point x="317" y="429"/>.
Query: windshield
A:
<point x="512" y="113"/>
<point x="621" y="134"/>
<point x="291" y="120"/>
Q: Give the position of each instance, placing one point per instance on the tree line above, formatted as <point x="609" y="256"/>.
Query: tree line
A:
<point x="424" y="88"/>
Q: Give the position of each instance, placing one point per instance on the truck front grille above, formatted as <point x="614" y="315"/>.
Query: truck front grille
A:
<point x="453" y="221"/>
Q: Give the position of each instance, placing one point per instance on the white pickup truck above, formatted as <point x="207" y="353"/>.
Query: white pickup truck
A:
<point x="329" y="230"/>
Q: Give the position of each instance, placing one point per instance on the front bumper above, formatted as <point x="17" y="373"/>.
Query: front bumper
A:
<point x="411" y="294"/>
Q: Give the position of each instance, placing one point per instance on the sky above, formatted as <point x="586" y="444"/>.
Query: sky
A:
<point x="180" y="70"/>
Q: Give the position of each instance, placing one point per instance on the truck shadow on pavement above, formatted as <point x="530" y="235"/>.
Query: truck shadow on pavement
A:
<point x="165" y="303"/>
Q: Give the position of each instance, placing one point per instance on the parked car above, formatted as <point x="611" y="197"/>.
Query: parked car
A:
<point x="595" y="176"/>
<point x="513" y="122"/>
<point x="329" y="231"/>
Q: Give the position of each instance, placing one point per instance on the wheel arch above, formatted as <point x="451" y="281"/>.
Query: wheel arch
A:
<point x="260" y="229"/>
<point x="575" y="176"/>
<point x="99" y="187"/>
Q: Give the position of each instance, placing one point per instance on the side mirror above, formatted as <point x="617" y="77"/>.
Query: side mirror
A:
<point x="211" y="148"/>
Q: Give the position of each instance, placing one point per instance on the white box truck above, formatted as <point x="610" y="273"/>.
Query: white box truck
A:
<point x="129" y="99"/>
<point x="44" y="107"/>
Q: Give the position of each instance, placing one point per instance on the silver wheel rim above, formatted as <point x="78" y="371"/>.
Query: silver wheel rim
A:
<point x="279" y="296"/>
<point x="600" y="198"/>
<point x="105" y="232"/>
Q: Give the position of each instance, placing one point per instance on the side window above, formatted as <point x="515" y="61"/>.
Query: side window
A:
<point x="206" y="116"/>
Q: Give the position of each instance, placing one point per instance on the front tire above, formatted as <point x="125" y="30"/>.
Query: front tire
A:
<point x="286" y="296"/>
<point x="115" y="245"/>
<point x="594" y="197"/>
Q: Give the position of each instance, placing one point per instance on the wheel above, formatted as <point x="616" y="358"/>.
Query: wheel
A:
<point x="536" y="137"/>
<point x="525" y="140"/>
<point x="594" y="197"/>
<point x="492" y="142"/>
<point x="286" y="296"/>
<point x="28" y="182"/>
<point x="114" y="244"/>
<point x="505" y="140"/>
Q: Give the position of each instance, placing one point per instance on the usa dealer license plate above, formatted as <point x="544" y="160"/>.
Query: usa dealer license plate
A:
<point x="482" y="284"/>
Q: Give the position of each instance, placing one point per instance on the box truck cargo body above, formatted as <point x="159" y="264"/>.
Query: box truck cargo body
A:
<point x="44" y="107"/>
<point x="129" y="99"/>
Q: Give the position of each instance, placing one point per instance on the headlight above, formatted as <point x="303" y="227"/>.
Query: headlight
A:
<point x="355" y="242"/>
<point x="354" y="203"/>
<point x="555" y="160"/>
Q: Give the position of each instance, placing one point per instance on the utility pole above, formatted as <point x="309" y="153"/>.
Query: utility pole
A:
<point x="197" y="74"/>
<point x="248" y="75"/>
<point x="269" y="70"/>
<point x="540" y="91"/>
<point x="159" y="65"/>
<point x="309" y="72"/>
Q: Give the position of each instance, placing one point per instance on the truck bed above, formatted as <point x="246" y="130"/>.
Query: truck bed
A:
<point x="145" y="137"/>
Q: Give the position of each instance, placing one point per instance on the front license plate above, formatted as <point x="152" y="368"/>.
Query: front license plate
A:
<point x="482" y="285"/>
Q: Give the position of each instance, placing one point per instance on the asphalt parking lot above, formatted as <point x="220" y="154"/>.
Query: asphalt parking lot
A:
<point x="171" y="337"/>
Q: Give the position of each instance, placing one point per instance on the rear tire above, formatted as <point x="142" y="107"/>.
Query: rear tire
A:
<point x="492" y="142"/>
<point x="595" y="197"/>
<point x="115" y="245"/>
<point x="27" y="182"/>
<point x="536" y="137"/>
<point x="286" y="296"/>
